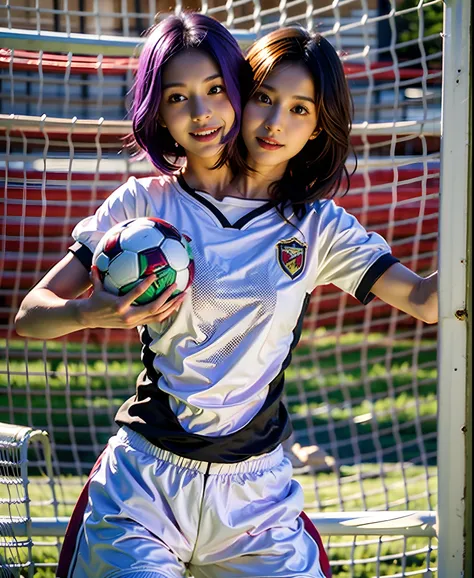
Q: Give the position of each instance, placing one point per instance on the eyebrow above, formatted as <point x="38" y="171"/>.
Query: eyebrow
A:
<point x="182" y="84"/>
<point x="295" y="96"/>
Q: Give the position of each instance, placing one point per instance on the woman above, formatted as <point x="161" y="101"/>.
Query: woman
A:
<point x="196" y="477"/>
<point x="296" y="131"/>
<point x="297" y="148"/>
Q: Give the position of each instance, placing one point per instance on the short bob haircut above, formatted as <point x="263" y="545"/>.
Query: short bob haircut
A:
<point x="165" y="40"/>
<point x="319" y="170"/>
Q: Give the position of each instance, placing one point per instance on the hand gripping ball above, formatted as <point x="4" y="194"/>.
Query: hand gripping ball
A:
<point x="137" y="248"/>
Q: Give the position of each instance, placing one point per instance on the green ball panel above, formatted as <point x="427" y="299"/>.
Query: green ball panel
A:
<point x="129" y="286"/>
<point x="148" y="296"/>
<point x="144" y="298"/>
<point x="188" y="249"/>
<point x="164" y="279"/>
<point x="142" y="263"/>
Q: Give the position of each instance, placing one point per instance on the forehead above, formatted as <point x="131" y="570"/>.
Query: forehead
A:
<point x="189" y="66"/>
<point x="291" y="78"/>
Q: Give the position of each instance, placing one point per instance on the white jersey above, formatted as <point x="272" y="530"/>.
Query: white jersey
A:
<point x="213" y="378"/>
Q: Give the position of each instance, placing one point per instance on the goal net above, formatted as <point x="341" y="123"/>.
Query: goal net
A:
<point x="362" y="385"/>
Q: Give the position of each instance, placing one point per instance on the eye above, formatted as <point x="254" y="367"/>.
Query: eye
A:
<point x="263" y="98"/>
<point x="218" y="89"/>
<point x="176" y="98"/>
<point x="299" y="109"/>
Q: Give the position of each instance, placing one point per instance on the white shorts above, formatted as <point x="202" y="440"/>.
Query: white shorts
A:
<point x="148" y="513"/>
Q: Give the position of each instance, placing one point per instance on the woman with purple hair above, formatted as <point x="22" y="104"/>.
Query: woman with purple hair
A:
<point x="196" y="478"/>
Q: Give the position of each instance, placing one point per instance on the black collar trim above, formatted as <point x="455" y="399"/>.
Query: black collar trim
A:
<point x="218" y="214"/>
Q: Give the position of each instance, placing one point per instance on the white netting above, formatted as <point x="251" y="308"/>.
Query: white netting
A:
<point x="362" y="385"/>
<point x="18" y="446"/>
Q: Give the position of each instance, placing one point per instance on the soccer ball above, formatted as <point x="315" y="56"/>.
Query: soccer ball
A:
<point x="137" y="248"/>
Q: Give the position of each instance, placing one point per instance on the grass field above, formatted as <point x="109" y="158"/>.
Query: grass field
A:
<point x="370" y="402"/>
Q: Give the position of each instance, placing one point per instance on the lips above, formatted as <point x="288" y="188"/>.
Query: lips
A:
<point x="269" y="144"/>
<point x="206" y="134"/>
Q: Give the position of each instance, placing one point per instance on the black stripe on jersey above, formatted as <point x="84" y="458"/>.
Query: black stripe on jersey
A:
<point x="375" y="271"/>
<point x="252" y="215"/>
<point x="218" y="214"/>
<point x="149" y="414"/>
<point x="83" y="253"/>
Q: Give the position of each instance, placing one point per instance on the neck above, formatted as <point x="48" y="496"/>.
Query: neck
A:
<point x="200" y="175"/>
<point x="256" y="184"/>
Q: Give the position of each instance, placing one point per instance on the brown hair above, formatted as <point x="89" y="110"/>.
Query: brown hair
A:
<point x="319" y="170"/>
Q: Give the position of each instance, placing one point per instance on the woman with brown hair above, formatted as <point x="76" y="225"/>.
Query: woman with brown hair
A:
<point x="296" y="135"/>
<point x="295" y="132"/>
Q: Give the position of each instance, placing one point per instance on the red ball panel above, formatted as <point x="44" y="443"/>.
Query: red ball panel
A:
<point x="191" y="273"/>
<point x="166" y="228"/>
<point x="112" y="245"/>
<point x="155" y="261"/>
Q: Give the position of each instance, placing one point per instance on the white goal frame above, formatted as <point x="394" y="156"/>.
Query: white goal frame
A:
<point x="456" y="146"/>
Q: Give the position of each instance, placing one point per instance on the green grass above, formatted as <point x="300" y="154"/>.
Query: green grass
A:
<point x="350" y="397"/>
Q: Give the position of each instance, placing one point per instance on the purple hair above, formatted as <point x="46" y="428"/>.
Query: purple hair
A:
<point x="165" y="40"/>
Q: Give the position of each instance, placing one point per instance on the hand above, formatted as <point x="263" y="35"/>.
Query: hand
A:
<point x="102" y="309"/>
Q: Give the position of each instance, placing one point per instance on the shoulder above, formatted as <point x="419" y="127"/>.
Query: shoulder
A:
<point x="151" y="184"/>
<point x="327" y="212"/>
<point x="324" y="207"/>
<point x="142" y="190"/>
<point x="331" y="222"/>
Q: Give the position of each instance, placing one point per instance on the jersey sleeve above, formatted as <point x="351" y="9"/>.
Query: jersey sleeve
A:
<point x="349" y="257"/>
<point x="127" y="202"/>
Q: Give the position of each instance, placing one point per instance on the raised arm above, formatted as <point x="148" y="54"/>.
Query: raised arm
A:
<point x="51" y="309"/>
<point x="407" y="291"/>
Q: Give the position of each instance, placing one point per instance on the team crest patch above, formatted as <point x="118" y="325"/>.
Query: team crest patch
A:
<point x="291" y="255"/>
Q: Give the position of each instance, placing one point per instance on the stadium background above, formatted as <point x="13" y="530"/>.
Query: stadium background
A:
<point x="363" y="382"/>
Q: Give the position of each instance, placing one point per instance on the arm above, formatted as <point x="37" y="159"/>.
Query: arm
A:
<point x="51" y="309"/>
<point x="407" y="291"/>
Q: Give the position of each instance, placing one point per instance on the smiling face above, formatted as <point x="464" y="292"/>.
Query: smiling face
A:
<point x="280" y="117"/>
<point x="194" y="106"/>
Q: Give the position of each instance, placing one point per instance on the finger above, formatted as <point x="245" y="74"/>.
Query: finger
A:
<point x="95" y="278"/>
<point x="165" y="313"/>
<point x="168" y="307"/>
<point x="164" y="298"/>
<point x="169" y="304"/>
<point x="130" y="297"/>
<point x="157" y="304"/>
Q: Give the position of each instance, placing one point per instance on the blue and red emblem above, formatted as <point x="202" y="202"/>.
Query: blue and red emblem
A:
<point x="291" y="255"/>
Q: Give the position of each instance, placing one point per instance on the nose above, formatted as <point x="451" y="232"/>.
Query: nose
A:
<point x="200" y="110"/>
<point x="274" y="121"/>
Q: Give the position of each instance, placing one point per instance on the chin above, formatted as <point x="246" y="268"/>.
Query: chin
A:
<point x="208" y="153"/>
<point x="265" y="158"/>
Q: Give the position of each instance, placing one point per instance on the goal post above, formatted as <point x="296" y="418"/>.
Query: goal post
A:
<point x="363" y="384"/>
<point x="454" y="375"/>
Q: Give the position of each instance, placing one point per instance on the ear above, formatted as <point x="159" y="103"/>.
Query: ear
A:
<point x="315" y="133"/>
<point x="161" y="122"/>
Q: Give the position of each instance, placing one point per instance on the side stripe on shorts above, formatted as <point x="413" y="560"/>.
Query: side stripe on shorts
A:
<point x="313" y="532"/>
<point x="70" y="543"/>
